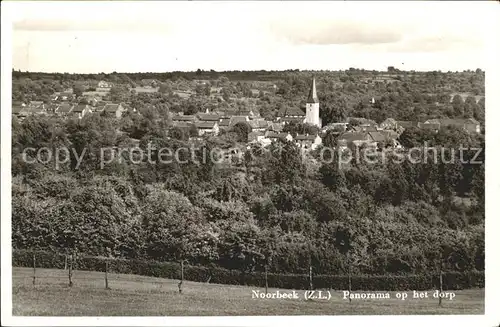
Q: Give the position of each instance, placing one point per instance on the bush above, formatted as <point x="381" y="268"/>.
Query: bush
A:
<point x="217" y="275"/>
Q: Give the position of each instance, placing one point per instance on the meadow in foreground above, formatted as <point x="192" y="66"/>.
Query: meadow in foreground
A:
<point x="132" y="295"/>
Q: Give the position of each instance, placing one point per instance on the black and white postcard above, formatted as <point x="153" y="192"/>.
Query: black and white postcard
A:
<point x="249" y="163"/>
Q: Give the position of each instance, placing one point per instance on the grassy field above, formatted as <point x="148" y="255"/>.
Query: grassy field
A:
<point x="132" y="295"/>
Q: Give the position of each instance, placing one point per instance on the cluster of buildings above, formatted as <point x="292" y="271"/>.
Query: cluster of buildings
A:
<point x="262" y="131"/>
<point x="468" y="124"/>
<point x="66" y="109"/>
<point x="386" y="134"/>
<point x="363" y="133"/>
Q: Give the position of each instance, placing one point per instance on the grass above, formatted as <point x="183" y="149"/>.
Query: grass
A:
<point x="132" y="295"/>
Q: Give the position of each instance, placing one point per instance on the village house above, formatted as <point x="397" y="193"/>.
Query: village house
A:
<point x="275" y="127"/>
<point x="63" y="96"/>
<point x="81" y="110"/>
<point x="389" y="134"/>
<point x="182" y="124"/>
<point x="92" y="100"/>
<point x="291" y="112"/>
<point x="380" y="139"/>
<point x="116" y="110"/>
<point x="391" y="138"/>
<point x="389" y="123"/>
<point x="149" y="83"/>
<point x="18" y="104"/>
<point x="207" y="127"/>
<point x="104" y="85"/>
<point x="365" y="128"/>
<point x="273" y="136"/>
<point x="375" y="99"/>
<point x="209" y="117"/>
<point x="406" y="124"/>
<point x="258" y="125"/>
<point x="228" y="113"/>
<point x="288" y="115"/>
<point x="469" y="124"/>
<point x="36" y="104"/>
<point x="287" y="120"/>
<point x="232" y="155"/>
<point x="186" y="118"/>
<point x="339" y="127"/>
<point x="238" y="119"/>
<point x="433" y="127"/>
<point x="357" y="139"/>
<point x="22" y="112"/>
<point x="51" y="108"/>
<point x="224" y="123"/>
<point x="308" y="142"/>
<point x="64" y="109"/>
<point x="99" y="109"/>
<point x="19" y="112"/>
<point x="258" y="137"/>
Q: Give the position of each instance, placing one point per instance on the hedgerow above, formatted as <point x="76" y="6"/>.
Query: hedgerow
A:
<point x="218" y="275"/>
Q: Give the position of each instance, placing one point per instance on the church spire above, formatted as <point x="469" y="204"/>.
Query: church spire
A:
<point x="313" y="97"/>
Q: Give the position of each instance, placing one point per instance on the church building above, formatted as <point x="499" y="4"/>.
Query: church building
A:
<point x="312" y="107"/>
<point x="294" y="114"/>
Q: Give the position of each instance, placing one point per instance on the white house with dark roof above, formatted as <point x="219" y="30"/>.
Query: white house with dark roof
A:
<point x="207" y="127"/>
<point x="307" y="142"/>
<point x="64" y="109"/>
<point x="114" y="109"/>
<point x="81" y="110"/>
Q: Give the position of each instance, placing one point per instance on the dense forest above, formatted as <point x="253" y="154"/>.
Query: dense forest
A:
<point x="273" y="208"/>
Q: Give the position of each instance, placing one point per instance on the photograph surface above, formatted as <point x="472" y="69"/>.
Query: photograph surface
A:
<point x="245" y="159"/>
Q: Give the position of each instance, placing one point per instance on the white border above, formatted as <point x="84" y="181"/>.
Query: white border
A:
<point x="491" y="317"/>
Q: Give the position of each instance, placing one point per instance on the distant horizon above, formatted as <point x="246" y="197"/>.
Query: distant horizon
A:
<point x="249" y="70"/>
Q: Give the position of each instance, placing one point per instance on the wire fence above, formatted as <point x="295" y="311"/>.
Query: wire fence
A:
<point x="54" y="274"/>
<point x="105" y="273"/>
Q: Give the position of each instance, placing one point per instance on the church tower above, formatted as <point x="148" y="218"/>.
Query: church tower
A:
<point x="312" y="107"/>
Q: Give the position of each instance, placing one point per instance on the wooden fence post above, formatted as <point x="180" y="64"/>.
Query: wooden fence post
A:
<point x="440" y="282"/>
<point x="310" y="278"/>
<point x="265" y="275"/>
<point x="106" y="275"/>
<point x="70" y="270"/>
<point x="34" y="268"/>
<point x="182" y="277"/>
<point x="350" y="282"/>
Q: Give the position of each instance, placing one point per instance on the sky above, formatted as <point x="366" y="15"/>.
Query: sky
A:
<point x="94" y="37"/>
